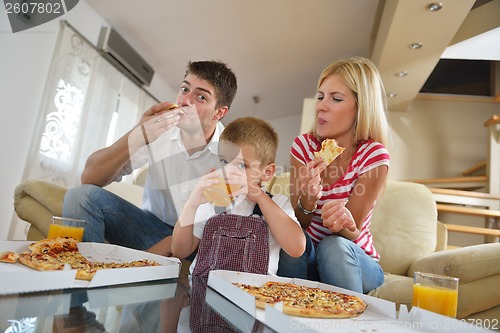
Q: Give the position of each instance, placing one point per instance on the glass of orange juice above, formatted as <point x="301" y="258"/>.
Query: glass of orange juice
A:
<point x="436" y="293"/>
<point x="219" y="194"/>
<point x="66" y="227"/>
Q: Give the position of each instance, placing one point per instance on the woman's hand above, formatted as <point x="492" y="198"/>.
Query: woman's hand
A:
<point x="336" y="216"/>
<point x="309" y="180"/>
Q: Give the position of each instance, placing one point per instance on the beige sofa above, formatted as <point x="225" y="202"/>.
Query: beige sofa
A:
<point x="405" y="228"/>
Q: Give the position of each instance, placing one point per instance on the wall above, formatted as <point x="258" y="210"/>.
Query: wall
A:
<point x="287" y="129"/>
<point x="24" y="62"/>
<point x="442" y="138"/>
<point x="439" y="138"/>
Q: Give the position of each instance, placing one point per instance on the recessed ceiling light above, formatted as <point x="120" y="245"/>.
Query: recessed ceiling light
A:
<point x="402" y="74"/>
<point x="415" y="46"/>
<point x="434" y="7"/>
<point x="392" y="94"/>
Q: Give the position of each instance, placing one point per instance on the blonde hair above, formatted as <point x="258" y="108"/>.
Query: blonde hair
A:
<point x="362" y="77"/>
<point x="253" y="132"/>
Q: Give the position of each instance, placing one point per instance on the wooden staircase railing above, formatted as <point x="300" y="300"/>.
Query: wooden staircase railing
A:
<point x="484" y="205"/>
<point x="460" y="195"/>
<point x="478" y="170"/>
<point x="463" y="183"/>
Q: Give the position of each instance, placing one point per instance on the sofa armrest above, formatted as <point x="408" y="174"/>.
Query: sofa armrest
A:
<point x="468" y="263"/>
<point x="478" y="270"/>
<point x="36" y="201"/>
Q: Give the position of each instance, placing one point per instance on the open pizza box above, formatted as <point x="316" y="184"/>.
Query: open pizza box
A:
<point x="231" y="313"/>
<point x="17" y="278"/>
<point x="380" y="315"/>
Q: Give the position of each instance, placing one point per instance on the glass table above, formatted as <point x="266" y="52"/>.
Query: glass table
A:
<point x="170" y="305"/>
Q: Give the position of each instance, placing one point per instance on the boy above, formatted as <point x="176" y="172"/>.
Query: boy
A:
<point x="253" y="162"/>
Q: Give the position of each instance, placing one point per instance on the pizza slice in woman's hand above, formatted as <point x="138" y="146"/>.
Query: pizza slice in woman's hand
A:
<point x="329" y="151"/>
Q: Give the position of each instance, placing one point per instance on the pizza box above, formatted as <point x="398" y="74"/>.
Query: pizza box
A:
<point x="380" y="315"/>
<point x="17" y="278"/>
<point x="231" y="313"/>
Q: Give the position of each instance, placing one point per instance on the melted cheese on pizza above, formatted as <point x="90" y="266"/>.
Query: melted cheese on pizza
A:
<point x="329" y="151"/>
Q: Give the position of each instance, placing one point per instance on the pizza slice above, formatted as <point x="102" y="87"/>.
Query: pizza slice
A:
<point x="329" y="151"/>
<point x="54" y="245"/>
<point x="9" y="257"/>
<point x="55" y="254"/>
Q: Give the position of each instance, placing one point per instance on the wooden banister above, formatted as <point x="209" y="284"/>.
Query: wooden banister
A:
<point x="472" y="194"/>
<point x="475" y="168"/>
<point x="493" y="120"/>
<point x="469" y="183"/>
<point x="489" y="213"/>
<point x="451" y="180"/>
<point x="472" y="230"/>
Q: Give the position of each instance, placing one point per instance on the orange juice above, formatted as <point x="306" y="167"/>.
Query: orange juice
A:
<point x="58" y="230"/>
<point x="219" y="194"/>
<point x="436" y="299"/>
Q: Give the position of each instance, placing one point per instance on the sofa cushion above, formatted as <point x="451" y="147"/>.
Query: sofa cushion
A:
<point x="130" y="192"/>
<point x="404" y="225"/>
<point x="280" y="184"/>
<point x="396" y="288"/>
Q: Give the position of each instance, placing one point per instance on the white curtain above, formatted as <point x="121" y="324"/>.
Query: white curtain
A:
<point x="87" y="102"/>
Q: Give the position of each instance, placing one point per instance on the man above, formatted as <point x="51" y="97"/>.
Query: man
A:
<point x="179" y="142"/>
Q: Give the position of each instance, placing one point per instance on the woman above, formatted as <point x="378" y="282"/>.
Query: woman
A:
<point x="334" y="202"/>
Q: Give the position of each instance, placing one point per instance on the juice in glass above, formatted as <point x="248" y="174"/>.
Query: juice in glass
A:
<point x="219" y="194"/>
<point x="436" y="293"/>
<point x="66" y="227"/>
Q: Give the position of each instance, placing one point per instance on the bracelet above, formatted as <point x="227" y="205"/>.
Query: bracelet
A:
<point x="305" y="211"/>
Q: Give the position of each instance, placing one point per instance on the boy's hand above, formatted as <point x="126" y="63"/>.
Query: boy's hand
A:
<point x="254" y="191"/>
<point x="196" y="198"/>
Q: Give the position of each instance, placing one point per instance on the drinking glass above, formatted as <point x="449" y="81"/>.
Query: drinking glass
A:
<point x="66" y="227"/>
<point x="219" y="194"/>
<point x="436" y="293"/>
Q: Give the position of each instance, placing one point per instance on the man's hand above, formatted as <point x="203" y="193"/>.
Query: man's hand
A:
<point x="159" y="119"/>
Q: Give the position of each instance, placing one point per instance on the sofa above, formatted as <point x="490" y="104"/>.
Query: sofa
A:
<point x="405" y="228"/>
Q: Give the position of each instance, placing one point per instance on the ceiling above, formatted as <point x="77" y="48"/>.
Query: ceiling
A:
<point x="278" y="48"/>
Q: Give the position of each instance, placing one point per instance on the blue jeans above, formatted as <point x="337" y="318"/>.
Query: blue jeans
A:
<point x="336" y="261"/>
<point x="113" y="219"/>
